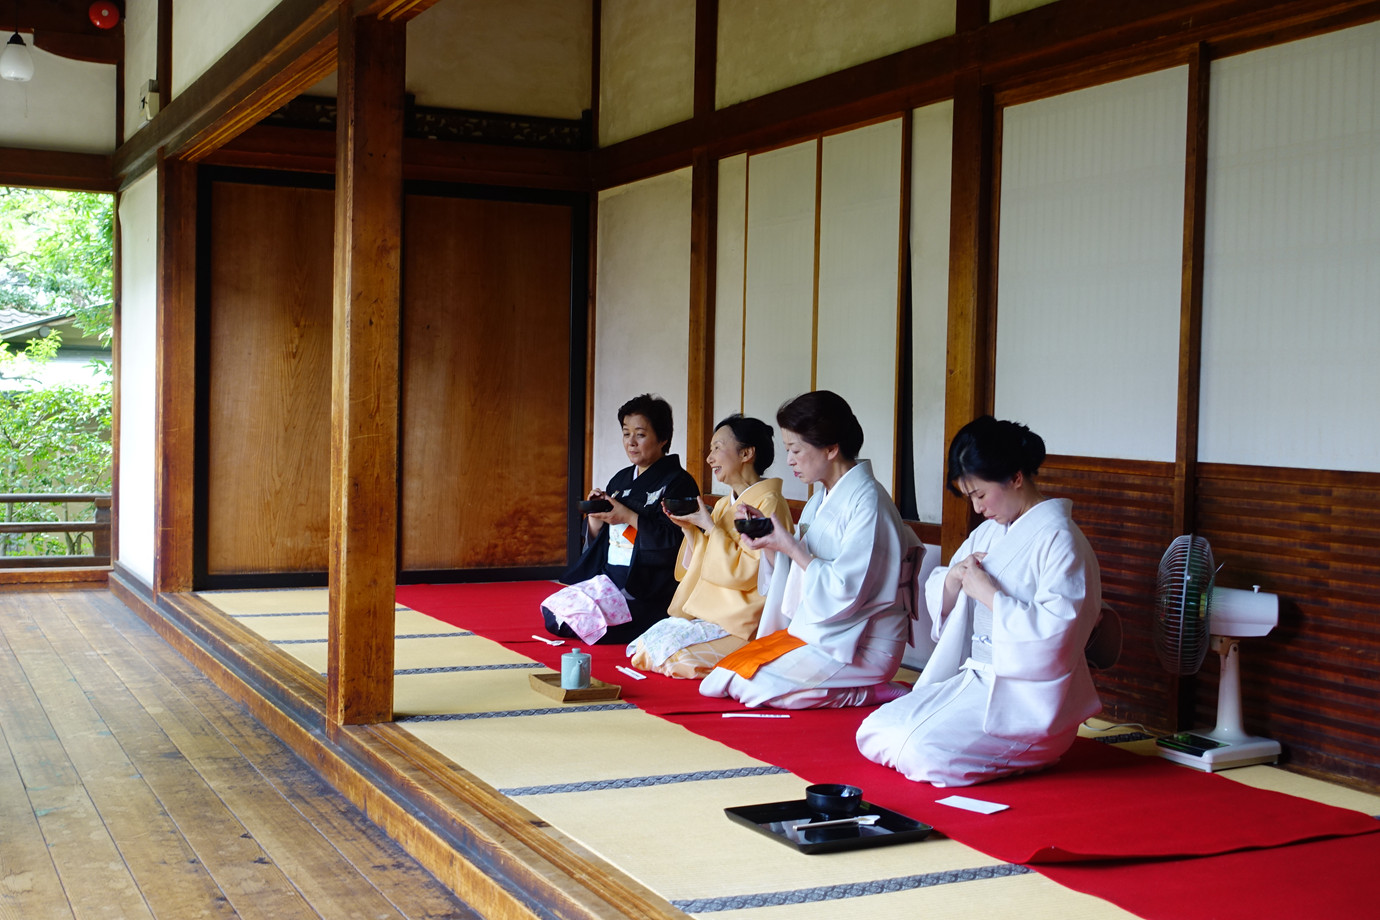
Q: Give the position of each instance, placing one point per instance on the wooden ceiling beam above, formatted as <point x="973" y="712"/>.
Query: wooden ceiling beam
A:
<point x="82" y="172"/>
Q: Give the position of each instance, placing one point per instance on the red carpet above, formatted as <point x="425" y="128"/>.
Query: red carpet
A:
<point x="1103" y="821"/>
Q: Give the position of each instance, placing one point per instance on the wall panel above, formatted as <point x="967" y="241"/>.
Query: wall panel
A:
<point x="1290" y="323"/>
<point x="730" y="266"/>
<point x="485" y="391"/>
<point x="1089" y="261"/>
<point x="268" y="365"/>
<point x="931" y="178"/>
<point x="859" y="227"/>
<point x="642" y="314"/>
<point x="647" y="66"/>
<point x="779" y="293"/>
<point x="137" y="392"/>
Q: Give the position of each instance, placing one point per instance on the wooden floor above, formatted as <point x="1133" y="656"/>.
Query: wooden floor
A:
<point x="131" y="786"/>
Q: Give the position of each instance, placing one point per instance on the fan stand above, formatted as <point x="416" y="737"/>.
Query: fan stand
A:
<point x="1227" y="745"/>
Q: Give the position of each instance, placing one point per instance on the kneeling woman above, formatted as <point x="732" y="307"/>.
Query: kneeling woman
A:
<point x="834" y="627"/>
<point x="627" y="571"/>
<point x="717" y="606"/>
<point x="1007" y="685"/>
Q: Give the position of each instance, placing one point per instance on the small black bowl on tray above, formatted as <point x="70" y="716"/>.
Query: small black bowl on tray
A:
<point x="834" y="800"/>
<point x="681" y="506"/>
<point x="757" y="528"/>
<point x="595" y="504"/>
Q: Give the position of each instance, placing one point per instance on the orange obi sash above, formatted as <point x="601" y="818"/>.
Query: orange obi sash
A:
<point x="746" y="660"/>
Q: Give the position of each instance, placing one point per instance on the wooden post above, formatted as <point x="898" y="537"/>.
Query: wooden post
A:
<point x="364" y="378"/>
<point x="175" y="411"/>
<point x="699" y="416"/>
<point x="968" y="391"/>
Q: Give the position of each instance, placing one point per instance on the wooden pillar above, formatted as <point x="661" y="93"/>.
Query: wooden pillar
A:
<point x="175" y="358"/>
<point x="968" y="391"/>
<point x="704" y="198"/>
<point x="364" y="370"/>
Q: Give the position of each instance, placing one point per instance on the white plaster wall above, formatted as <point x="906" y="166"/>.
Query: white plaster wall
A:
<point x="766" y="45"/>
<point x="729" y="267"/>
<point x="68" y="105"/>
<point x="859" y="254"/>
<point x="778" y="358"/>
<point x="1090" y="255"/>
<point x="932" y="130"/>
<point x="646" y="66"/>
<point x="203" y="30"/>
<point x="137" y="353"/>
<point x="141" y="57"/>
<point x="528" y="57"/>
<point x="1291" y="291"/>
<point x="642" y="311"/>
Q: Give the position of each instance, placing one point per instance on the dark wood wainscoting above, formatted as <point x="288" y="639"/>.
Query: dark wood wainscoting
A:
<point x="1310" y="536"/>
<point x="1313" y="538"/>
<point x="265" y="331"/>
<point x="1125" y="508"/>
<point x="486" y="383"/>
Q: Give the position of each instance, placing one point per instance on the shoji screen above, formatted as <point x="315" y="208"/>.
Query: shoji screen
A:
<point x="859" y="234"/>
<point x="779" y="288"/>
<point x="643" y="308"/>
<point x="809" y="300"/>
<point x="1088" y="280"/>
<point x="1291" y="303"/>
<point x="931" y="177"/>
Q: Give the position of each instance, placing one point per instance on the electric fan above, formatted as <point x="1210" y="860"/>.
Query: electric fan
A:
<point x="1191" y="614"/>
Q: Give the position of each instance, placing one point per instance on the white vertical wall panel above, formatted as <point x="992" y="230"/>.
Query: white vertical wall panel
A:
<point x="642" y="313"/>
<point x="730" y="265"/>
<point x="931" y="182"/>
<point x="646" y="66"/>
<point x="779" y="293"/>
<point x="141" y="55"/>
<point x="203" y="30"/>
<point x="859" y="240"/>
<point x="1291" y="302"/>
<point x="1090" y="256"/>
<point x="138" y="367"/>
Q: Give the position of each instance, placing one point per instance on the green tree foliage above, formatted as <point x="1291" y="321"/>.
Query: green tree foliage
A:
<point x="55" y="257"/>
<point x="57" y="253"/>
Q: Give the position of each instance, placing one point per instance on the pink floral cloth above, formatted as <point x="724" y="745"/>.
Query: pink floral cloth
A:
<point x="589" y="607"/>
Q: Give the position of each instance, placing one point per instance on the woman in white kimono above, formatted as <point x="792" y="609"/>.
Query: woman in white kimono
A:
<point x="834" y="626"/>
<point x="1007" y="685"/>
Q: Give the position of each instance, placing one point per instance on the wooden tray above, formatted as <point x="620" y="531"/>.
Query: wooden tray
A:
<point x="548" y="683"/>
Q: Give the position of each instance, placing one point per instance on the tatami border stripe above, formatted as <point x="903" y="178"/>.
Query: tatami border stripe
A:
<point x="511" y="713"/>
<point x="631" y="782"/>
<point x="851" y="890"/>
<point x="449" y="635"/>
<point x="525" y="665"/>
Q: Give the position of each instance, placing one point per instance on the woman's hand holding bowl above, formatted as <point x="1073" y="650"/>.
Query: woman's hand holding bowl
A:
<point x="699" y="518"/>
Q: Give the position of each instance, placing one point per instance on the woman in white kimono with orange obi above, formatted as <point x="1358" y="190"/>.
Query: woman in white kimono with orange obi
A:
<point x="1007" y="685"/>
<point x="835" y="623"/>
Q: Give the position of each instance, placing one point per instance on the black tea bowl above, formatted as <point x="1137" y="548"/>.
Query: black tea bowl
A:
<point x="757" y="528"/>
<point x="681" y="506"/>
<point x="595" y="504"/>
<point x="833" y="800"/>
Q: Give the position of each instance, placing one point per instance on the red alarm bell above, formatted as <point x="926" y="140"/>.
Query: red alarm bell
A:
<point x="104" y="14"/>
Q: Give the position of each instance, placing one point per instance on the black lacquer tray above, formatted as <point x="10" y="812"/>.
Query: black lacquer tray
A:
<point x="779" y="820"/>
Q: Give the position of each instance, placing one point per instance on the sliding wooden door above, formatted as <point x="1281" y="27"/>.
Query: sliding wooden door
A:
<point x="486" y="383"/>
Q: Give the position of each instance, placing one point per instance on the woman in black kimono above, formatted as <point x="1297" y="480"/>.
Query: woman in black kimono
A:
<point x="634" y="543"/>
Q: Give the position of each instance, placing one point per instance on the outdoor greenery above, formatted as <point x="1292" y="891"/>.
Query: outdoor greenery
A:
<point x="56" y="256"/>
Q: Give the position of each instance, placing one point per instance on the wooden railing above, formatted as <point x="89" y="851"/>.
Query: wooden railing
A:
<point x="98" y="528"/>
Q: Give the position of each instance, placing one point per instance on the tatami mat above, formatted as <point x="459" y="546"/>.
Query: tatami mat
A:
<point x="648" y="795"/>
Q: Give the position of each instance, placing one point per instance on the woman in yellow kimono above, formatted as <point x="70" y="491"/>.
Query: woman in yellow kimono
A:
<point x="717" y="606"/>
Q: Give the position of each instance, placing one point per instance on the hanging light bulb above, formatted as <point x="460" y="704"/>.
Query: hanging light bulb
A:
<point x="15" y="61"/>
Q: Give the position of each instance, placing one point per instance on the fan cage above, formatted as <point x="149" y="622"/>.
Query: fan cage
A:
<point x="1183" y="604"/>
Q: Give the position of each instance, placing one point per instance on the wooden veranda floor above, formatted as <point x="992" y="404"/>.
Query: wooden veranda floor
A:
<point x="131" y="786"/>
